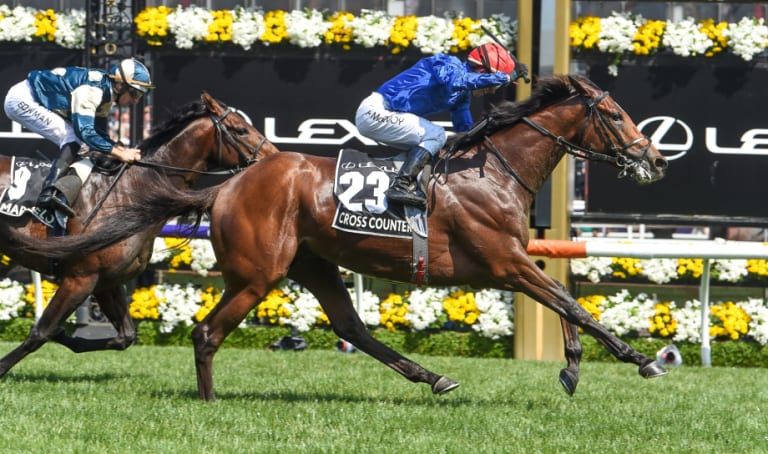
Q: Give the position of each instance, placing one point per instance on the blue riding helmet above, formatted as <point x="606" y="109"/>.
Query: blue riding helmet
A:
<point x="133" y="73"/>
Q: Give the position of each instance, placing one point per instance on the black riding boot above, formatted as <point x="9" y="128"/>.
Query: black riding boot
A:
<point x="404" y="189"/>
<point x="51" y="197"/>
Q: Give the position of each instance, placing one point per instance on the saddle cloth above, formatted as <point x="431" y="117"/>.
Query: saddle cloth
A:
<point x="27" y="177"/>
<point x="359" y="185"/>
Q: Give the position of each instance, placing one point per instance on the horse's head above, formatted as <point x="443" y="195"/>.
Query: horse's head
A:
<point x="611" y="131"/>
<point x="238" y="143"/>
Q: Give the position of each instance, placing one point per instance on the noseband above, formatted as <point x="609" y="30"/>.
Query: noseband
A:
<point x="607" y="133"/>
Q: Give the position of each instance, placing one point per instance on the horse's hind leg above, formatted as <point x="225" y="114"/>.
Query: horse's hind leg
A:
<point x="322" y="278"/>
<point x="113" y="304"/>
<point x="208" y="335"/>
<point x="569" y="377"/>
<point x="71" y="293"/>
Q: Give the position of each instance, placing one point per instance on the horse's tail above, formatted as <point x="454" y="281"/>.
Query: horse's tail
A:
<point x="155" y="204"/>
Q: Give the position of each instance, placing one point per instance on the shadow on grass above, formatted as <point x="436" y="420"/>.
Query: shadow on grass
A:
<point x="323" y="397"/>
<point x="25" y="377"/>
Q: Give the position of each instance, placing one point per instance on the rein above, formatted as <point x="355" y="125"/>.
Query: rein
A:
<point x="222" y="132"/>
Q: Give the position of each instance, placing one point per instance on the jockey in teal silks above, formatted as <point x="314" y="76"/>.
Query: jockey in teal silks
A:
<point x="70" y="106"/>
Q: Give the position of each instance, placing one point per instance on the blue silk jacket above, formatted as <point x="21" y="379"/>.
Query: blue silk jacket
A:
<point x="82" y="96"/>
<point x="436" y="84"/>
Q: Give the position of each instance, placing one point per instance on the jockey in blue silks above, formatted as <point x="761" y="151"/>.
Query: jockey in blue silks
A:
<point x="394" y="114"/>
<point x="70" y="106"/>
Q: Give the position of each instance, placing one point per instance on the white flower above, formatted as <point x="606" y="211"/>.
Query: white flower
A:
<point x="747" y="38"/>
<point x="247" y="27"/>
<point x="304" y="310"/>
<point x="425" y="305"/>
<point x="203" y="257"/>
<point x="685" y="39"/>
<point x="659" y="271"/>
<point x="501" y="26"/>
<point x="496" y="313"/>
<point x="11" y="298"/>
<point x="593" y="268"/>
<point x="730" y="270"/>
<point x="178" y="305"/>
<point x="623" y="314"/>
<point x="189" y="25"/>
<point x="160" y="252"/>
<point x="70" y="29"/>
<point x="372" y="28"/>
<point x="306" y="28"/>
<point x="688" y="321"/>
<point x="758" y="325"/>
<point x="434" y="35"/>
<point x="616" y="33"/>
<point x="18" y="24"/>
<point x="369" y="307"/>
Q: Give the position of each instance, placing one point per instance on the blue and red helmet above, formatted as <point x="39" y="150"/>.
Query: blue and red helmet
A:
<point x="133" y="73"/>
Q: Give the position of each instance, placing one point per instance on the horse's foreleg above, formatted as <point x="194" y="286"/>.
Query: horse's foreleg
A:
<point x="71" y="293"/>
<point x="113" y="304"/>
<point x="534" y="283"/>
<point x="322" y="278"/>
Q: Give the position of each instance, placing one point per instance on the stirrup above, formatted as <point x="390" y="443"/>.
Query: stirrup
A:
<point x="407" y="197"/>
<point x="59" y="202"/>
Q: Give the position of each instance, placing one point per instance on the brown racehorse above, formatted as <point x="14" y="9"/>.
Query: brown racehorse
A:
<point x="274" y="221"/>
<point x="200" y="136"/>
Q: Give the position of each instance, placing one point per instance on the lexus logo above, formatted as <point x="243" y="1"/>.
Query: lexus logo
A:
<point x="662" y="128"/>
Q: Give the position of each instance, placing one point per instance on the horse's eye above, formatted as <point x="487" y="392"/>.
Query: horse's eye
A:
<point x="616" y="116"/>
<point x="241" y="131"/>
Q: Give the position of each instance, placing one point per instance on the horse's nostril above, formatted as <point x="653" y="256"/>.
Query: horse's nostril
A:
<point x="660" y="163"/>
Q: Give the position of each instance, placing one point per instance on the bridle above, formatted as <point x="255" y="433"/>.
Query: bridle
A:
<point x="607" y="133"/>
<point x="222" y="133"/>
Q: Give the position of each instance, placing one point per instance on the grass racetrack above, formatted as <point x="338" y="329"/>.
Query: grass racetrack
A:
<point x="144" y="400"/>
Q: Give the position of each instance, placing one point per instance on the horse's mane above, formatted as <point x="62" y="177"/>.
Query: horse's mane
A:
<point x="162" y="133"/>
<point x="547" y="91"/>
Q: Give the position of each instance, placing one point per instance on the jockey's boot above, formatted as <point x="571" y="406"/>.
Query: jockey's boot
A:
<point x="52" y="196"/>
<point x="405" y="188"/>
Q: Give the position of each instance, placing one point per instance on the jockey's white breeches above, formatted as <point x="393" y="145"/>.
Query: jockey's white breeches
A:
<point x="21" y="107"/>
<point x="400" y="130"/>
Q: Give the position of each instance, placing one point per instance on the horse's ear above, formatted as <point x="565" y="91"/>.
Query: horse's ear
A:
<point x="211" y="104"/>
<point x="582" y="85"/>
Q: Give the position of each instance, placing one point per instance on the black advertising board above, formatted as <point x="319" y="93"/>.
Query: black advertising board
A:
<point x="302" y="100"/>
<point x="708" y="117"/>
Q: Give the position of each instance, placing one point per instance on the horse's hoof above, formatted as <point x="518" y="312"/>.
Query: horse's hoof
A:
<point x="652" y="369"/>
<point x="443" y="385"/>
<point x="569" y="380"/>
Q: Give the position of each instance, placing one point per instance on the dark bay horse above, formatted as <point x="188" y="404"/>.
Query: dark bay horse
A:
<point x="275" y="220"/>
<point x="201" y="136"/>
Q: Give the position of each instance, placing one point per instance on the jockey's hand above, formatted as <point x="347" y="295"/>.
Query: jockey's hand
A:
<point x="126" y="154"/>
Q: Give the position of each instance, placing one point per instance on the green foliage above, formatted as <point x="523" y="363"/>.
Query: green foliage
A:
<point x="15" y="330"/>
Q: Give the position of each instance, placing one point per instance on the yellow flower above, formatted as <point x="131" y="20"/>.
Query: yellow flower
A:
<point x="648" y="37"/>
<point x="152" y="24"/>
<point x="220" y="29"/>
<point x="144" y="304"/>
<point x="593" y="304"/>
<point x="393" y="310"/>
<point x="462" y="28"/>
<point x="340" y="31"/>
<point x="402" y="33"/>
<point x="626" y="266"/>
<point x="758" y="267"/>
<point x="275" y="31"/>
<point x="662" y="322"/>
<point x="715" y="33"/>
<point x="460" y="307"/>
<point x="584" y="32"/>
<point x="45" y="25"/>
<point x="272" y="307"/>
<point x="690" y="267"/>
<point x="734" y="321"/>
<point x="209" y="297"/>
